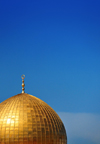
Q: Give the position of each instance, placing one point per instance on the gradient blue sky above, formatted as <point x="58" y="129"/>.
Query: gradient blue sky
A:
<point x="56" y="44"/>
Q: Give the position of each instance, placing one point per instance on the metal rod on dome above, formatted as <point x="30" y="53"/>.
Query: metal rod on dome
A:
<point x="23" y="76"/>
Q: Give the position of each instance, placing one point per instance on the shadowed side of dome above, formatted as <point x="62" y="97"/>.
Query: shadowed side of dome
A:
<point x="26" y="119"/>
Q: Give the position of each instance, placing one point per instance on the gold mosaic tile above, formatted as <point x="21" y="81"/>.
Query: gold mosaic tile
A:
<point x="25" y="119"/>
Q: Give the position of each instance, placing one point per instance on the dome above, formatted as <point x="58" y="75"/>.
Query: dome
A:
<point x="25" y="119"/>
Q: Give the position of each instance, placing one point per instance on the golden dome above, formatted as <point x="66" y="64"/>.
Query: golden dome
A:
<point x="25" y="119"/>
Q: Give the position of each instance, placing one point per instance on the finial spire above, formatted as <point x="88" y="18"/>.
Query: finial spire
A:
<point x="23" y="76"/>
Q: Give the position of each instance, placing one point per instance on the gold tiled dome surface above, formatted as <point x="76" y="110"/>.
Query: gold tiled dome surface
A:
<point x="25" y="119"/>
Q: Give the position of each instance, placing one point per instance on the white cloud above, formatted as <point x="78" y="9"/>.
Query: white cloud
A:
<point x="81" y="128"/>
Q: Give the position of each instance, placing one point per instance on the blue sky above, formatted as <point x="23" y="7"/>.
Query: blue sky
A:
<point x="56" y="44"/>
